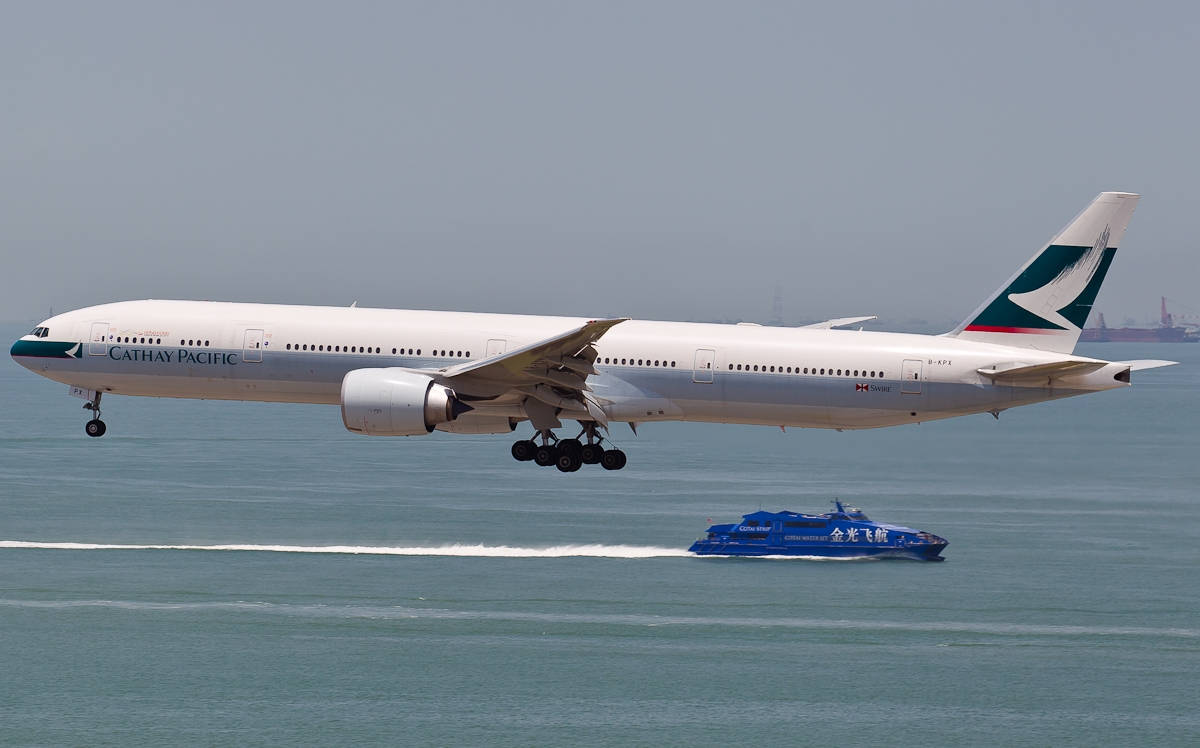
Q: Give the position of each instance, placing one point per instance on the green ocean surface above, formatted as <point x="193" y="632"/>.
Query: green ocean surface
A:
<point x="241" y="573"/>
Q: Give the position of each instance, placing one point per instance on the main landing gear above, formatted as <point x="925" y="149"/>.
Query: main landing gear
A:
<point x="94" y="427"/>
<point x="568" y="455"/>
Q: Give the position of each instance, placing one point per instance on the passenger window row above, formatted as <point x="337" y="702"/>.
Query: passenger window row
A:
<point x="807" y="370"/>
<point x="140" y="341"/>
<point x="662" y="363"/>
<point x="446" y="353"/>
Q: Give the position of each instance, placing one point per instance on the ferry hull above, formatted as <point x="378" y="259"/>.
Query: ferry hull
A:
<point x="928" y="552"/>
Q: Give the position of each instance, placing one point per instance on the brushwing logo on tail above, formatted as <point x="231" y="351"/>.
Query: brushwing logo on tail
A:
<point x="1054" y="294"/>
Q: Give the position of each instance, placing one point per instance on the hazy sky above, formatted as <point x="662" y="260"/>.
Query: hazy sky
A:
<point x="671" y="160"/>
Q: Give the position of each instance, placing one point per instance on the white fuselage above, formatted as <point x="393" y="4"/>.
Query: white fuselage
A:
<point x="646" y="371"/>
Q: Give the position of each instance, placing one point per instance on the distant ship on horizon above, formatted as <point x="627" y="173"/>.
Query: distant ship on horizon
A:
<point x="1166" y="332"/>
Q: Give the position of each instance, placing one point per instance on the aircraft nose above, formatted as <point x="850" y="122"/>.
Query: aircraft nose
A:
<point x="16" y="352"/>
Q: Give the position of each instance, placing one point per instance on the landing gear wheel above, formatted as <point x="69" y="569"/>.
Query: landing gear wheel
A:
<point x="523" y="450"/>
<point x="568" y="460"/>
<point x="95" y="427"/>
<point x="591" y="454"/>
<point x="612" y="459"/>
<point x="545" y="455"/>
<point x="570" y="445"/>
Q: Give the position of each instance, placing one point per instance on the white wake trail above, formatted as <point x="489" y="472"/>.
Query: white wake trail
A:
<point x="464" y="550"/>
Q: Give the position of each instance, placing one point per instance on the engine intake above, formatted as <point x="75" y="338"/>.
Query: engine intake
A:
<point x="396" y="402"/>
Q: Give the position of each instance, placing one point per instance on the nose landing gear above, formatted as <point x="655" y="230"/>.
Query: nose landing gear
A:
<point x="94" y="427"/>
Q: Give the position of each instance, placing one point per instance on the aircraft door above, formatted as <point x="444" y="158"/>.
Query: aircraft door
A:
<point x="98" y="340"/>
<point x="495" y="347"/>
<point x="252" y="347"/>
<point x="910" y="383"/>
<point x="703" y="370"/>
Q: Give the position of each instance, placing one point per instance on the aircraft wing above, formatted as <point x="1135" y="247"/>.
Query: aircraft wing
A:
<point x="829" y="324"/>
<point x="551" y="371"/>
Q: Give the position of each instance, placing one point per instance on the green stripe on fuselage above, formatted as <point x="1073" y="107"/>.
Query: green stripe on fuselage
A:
<point x="46" y="349"/>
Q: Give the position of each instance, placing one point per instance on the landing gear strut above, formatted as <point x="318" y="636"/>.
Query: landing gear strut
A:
<point x="94" y="427"/>
<point x="568" y="455"/>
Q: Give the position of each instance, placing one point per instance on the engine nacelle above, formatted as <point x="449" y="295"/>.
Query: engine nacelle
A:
<point x="396" y="402"/>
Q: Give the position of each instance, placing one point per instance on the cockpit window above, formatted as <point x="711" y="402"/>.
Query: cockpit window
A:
<point x="40" y="332"/>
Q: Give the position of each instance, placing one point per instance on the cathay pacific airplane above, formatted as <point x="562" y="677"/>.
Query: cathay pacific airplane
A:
<point x="405" y="373"/>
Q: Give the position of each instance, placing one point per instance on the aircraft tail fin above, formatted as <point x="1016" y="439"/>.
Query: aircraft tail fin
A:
<point x="1047" y="302"/>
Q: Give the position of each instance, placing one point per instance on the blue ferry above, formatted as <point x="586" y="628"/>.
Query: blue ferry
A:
<point x="843" y="533"/>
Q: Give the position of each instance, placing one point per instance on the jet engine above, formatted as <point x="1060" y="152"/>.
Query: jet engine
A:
<point x="396" y="402"/>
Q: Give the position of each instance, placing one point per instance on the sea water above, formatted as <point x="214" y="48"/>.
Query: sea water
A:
<point x="242" y="573"/>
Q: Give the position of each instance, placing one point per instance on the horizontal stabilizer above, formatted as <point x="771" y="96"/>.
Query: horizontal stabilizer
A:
<point x="829" y="324"/>
<point x="1147" y="363"/>
<point x="1017" y="371"/>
